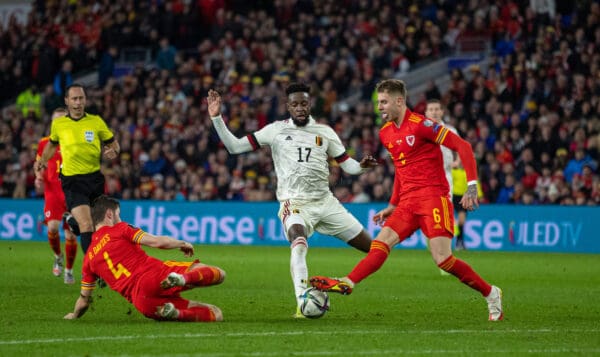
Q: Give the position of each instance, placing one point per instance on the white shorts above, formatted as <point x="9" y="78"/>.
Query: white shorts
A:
<point x="326" y="216"/>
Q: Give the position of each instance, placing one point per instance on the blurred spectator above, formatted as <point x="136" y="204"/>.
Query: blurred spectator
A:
<point x="507" y="191"/>
<point x="577" y="163"/>
<point x="63" y="78"/>
<point x="29" y="102"/>
<point x="107" y="65"/>
<point x="165" y="58"/>
<point x="537" y="96"/>
<point x="51" y="99"/>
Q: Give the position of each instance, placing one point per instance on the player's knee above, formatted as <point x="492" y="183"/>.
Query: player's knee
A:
<point x="361" y="242"/>
<point x="440" y="258"/>
<point x="86" y="227"/>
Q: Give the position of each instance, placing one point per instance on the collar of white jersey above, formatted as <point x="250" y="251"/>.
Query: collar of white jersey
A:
<point x="311" y="121"/>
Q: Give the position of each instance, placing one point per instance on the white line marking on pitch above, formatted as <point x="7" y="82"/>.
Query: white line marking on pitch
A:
<point x="290" y="333"/>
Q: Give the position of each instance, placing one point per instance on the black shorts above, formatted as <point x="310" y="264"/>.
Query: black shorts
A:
<point x="82" y="189"/>
<point x="456" y="203"/>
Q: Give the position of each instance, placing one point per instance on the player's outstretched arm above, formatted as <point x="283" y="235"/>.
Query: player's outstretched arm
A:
<point x="164" y="242"/>
<point x="232" y="143"/>
<point x="81" y="305"/>
<point x="354" y="167"/>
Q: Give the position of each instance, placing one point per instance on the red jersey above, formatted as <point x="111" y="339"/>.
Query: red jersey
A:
<point x="51" y="178"/>
<point x="414" y="148"/>
<point x="116" y="256"/>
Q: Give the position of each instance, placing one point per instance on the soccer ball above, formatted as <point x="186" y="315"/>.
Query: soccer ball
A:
<point x="314" y="304"/>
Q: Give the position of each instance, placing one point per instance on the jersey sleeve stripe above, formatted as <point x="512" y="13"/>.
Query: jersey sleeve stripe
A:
<point x="343" y="157"/>
<point x="137" y="237"/>
<point x="253" y="141"/>
<point x="441" y="136"/>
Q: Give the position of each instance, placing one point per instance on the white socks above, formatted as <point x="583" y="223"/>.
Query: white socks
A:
<point x="298" y="266"/>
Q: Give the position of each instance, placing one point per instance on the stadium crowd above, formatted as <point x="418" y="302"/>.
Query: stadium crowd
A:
<point x="532" y="114"/>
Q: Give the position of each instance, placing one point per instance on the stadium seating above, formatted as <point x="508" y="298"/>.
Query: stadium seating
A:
<point x="531" y="112"/>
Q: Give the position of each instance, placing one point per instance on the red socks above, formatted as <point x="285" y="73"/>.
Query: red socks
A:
<point x="71" y="252"/>
<point x="54" y="240"/>
<point x="196" y="314"/>
<point x="371" y="263"/>
<point x="466" y="274"/>
<point x="203" y="276"/>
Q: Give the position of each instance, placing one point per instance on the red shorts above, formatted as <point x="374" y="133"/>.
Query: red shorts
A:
<point x="434" y="215"/>
<point x="149" y="295"/>
<point x="54" y="206"/>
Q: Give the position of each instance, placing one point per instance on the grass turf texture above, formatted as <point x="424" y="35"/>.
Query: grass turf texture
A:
<point x="551" y="304"/>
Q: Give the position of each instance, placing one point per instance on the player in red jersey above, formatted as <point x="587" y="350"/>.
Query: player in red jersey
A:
<point x="151" y="285"/>
<point x="54" y="208"/>
<point x="420" y="198"/>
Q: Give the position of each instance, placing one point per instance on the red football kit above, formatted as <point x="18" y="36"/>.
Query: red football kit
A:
<point x="421" y="194"/>
<point x="54" y="197"/>
<point x="116" y="256"/>
<point x="420" y="187"/>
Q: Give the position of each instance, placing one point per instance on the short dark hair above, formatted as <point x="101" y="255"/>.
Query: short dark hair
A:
<point x="75" y="85"/>
<point x="102" y="204"/>
<point x="435" y="101"/>
<point x="392" y="86"/>
<point x="297" y="87"/>
<point x="60" y="110"/>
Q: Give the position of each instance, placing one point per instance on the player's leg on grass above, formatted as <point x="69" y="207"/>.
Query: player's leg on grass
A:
<point x="197" y="275"/>
<point x="462" y="218"/>
<point x="83" y="216"/>
<point x="378" y="253"/>
<point x="71" y="253"/>
<point x="54" y="240"/>
<point x="441" y="253"/>
<point x="178" y="309"/>
<point x="297" y="235"/>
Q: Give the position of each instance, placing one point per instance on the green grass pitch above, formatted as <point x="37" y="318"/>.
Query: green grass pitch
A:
<point x="551" y="303"/>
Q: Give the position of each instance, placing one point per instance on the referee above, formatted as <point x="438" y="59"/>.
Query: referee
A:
<point x="83" y="139"/>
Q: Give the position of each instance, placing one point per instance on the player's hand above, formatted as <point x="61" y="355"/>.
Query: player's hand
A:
<point x="214" y="103"/>
<point x="187" y="249"/>
<point x="382" y="215"/>
<point x="39" y="167"/>
<point x="110" y="153"/>
<point x="70" y="316"/>
<point x="368" y="162"/>
<point x="469" y="201"/>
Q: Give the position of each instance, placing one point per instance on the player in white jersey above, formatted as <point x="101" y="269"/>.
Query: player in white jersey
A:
<point x="301" y="149"/>
<point x="434" y="110"/>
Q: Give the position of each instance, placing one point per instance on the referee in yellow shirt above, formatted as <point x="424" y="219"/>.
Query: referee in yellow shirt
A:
<point x="84" y="138"/>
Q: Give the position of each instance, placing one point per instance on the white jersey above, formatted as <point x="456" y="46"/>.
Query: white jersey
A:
<point x="448" y="156"/>
<point x="301" y="155"/>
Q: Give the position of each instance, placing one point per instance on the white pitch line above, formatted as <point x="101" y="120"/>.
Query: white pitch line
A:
<point x="290" y="333"/>
<point x="397" y="352"/>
